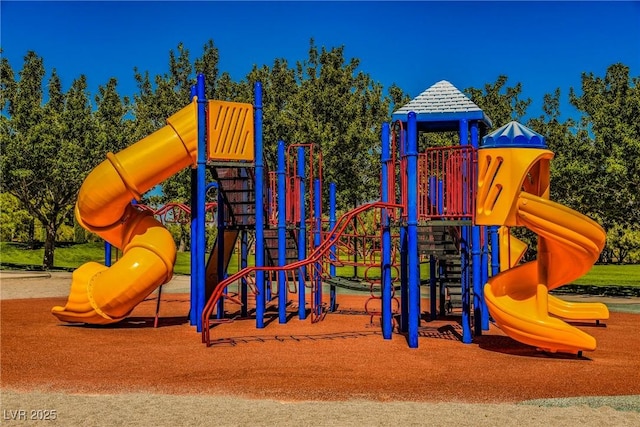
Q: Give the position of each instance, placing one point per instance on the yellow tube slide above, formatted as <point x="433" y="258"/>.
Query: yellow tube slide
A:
<point x="102" y="295"/>
<point x="517" y="298"/>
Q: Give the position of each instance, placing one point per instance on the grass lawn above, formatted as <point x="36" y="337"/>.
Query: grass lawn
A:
<point x="70" y="256"/>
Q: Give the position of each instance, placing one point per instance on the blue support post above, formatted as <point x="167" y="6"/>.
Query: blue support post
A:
<point x="387" y="315"/>
<point x="404" y="281"/>
<point x="244" y="255"/>
<point x="195" y="294"/>
<point x="221" y="249"/>
<point x="443" y="291"/>
<point x="302" y="239"/>
<point x="200" y="191"/>
<point x="317" y="213"/>
<point x="107" y="254"/>
<point x="466" y="246"/>
<point x="440" y="197"/>
<point x="412" y="225"/>
<point x="282" y="234"/>
<point x="193" y="303"/>
<point x="434" y="194"/>
<point x="476" y="253"/>
<point x="259" y="174"/>
<point x="433" y="283"/>
<point x="485" y="276"/>
<point x="332" y="250"/>
<point x="495" y="249"/>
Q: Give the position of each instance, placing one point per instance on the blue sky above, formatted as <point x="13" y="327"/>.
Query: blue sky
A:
<point x="543" y="45"/>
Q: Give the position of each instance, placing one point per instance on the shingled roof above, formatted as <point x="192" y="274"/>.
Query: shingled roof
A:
<point x="442" y="103"/>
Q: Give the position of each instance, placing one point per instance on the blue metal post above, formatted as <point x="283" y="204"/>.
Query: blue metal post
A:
<point x="302" y="236"/>
<point x="317" y="213"/>
<point x="440" y="197"/>
<point x="387" y="316"/>
<point x="221" y="249"/>
<point x="201" y="184"/>
<point x="495" y="250"/>
<point x="465" y="246"/>
<point x="332" y="250"/>
<point x="485" y="276"/>
<point x="282" y="234"/>
<point x="476" y="253"/>
<point x="404" y="281"/>
<point x="107" y="254"/>
<point x="259" y="260"/>
<point x="412" y="225"/>
<point x="244" y="255"/>
<point x="433" y="282"/>
<point x="194" y="318"/>
<point x="433" y="192"/>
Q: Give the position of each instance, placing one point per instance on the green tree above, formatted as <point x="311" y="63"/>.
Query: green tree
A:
<point x="500" y="102"/>
<point x="341" y="109"/>
<point x="48" y="146"/>
<point x="611" y="107"/>
<point x="14" y="219"/>
<point x="112" y="125"/>
<point x="573" y="167"/>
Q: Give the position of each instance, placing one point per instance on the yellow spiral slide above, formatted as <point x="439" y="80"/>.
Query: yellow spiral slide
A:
<point x="102" y="295"/>
<point x="513" y="190"/>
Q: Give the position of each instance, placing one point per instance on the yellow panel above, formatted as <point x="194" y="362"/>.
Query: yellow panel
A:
<point x="501" y="175"/>
<point x="230" y="134"/>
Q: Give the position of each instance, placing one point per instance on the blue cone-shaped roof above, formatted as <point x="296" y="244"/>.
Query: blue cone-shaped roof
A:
<point x="514" y="134"/>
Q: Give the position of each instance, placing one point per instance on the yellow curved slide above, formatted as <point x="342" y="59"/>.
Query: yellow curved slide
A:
<point x="517" y="298"/>
<point x="513" y="190"/>
<point x="102" y="295"/>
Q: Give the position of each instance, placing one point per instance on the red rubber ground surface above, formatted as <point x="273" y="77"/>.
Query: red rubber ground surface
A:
<point x="341" y="358"/>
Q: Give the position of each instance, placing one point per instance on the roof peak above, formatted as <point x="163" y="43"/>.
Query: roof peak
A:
<point x="441" y="97"/>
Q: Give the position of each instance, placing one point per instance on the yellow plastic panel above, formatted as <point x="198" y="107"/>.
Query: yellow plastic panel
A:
<point x="230" y="133"/>
<point x="501" y="176"/>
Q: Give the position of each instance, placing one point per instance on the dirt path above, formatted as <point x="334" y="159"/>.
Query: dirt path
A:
<point x="342" y="365"/>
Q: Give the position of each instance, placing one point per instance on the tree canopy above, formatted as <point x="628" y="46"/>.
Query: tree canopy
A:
<point x="52" y="138"/>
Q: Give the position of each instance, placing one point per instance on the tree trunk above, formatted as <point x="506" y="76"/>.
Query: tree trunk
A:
<point x="32" y="233"/>
<point x="49" y="245"/>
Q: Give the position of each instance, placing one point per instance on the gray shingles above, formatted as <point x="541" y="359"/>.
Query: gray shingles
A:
<point x="442" y="97"/>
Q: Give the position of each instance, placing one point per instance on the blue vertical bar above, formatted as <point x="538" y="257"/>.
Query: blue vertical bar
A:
<point x="332" y="250"/>
<point x="404" y="270"/>
<point x="302" y="242"/>
<point x="433" y="282"/>
<point x="476" y="252"/>
<point x="261" y="296"/>
<point x="434" y="195"/>
<point x="440" y="197"/>
<point x="387" y="316"/>
<point x="404" y="281"/>
<point x="443" y="291"/>
<point x="221" y="251"/>
<point x="201" y="185"/>
<point x="465" y="246"/>
<point x="107" y="254"/>
<point x="495" y="250"/>
<point x="412" y="225"/>
<point x="282" y="234"/>
<point x="195" y="295"/>
<point x="244" y="255"/>
<point x="317" y="213"/>
<point x="485" y="276"/>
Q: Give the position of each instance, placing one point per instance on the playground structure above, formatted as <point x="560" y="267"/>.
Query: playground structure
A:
<point x="444" y="199"/>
